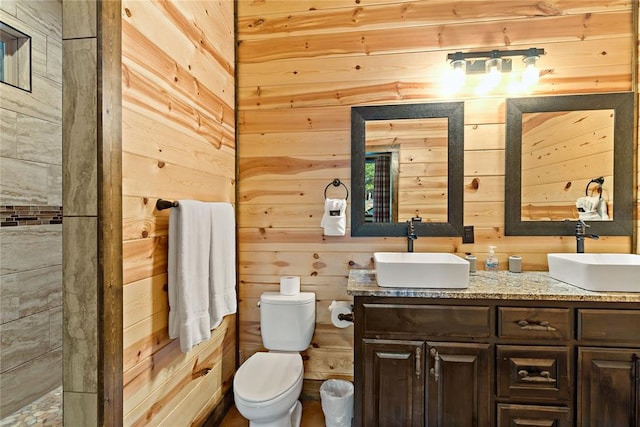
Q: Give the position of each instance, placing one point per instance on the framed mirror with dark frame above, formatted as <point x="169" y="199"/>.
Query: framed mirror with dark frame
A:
<point x="586" y="143"/>
<point x="447" y="221"/>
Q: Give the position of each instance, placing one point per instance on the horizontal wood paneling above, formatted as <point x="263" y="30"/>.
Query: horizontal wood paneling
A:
<point x="301" y="67"/>
<point x="178" y="143"/>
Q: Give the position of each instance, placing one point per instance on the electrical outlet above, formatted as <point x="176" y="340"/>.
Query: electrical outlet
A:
<point x="467" y="234"/>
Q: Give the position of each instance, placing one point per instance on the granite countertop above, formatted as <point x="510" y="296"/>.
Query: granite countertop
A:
<point x="501" y="285"/>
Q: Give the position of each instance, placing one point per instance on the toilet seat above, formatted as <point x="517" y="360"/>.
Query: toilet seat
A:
<point x="265" y="376"/>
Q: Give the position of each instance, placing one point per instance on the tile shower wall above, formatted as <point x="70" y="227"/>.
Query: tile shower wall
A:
<point x="31" y="213"/>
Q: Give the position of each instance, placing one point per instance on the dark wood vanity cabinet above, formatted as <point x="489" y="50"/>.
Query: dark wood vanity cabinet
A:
<point x="393" y="382"/>
<point x="447" y="362"/>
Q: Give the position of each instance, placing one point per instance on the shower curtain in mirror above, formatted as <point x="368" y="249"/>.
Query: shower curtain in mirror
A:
<point x="382" y="189"/>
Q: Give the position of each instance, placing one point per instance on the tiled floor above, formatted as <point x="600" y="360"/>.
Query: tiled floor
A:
<point x="311" y="416"/>
<point x="46" y="411"/>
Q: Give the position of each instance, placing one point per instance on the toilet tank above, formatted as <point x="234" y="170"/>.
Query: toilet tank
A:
<point x="287" y="321"/>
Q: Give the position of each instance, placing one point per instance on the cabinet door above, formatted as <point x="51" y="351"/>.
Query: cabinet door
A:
<point x="459" y="384"/>
<point x="608" y="387"/>
<point x="393" y="386"/>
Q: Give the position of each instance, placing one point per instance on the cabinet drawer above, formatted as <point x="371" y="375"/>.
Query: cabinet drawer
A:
<point x="427" y="320"/>
<point x="533" y="416"/>
<point x="609" y="325"/>
<point x="533" y="372"/>
<point x="534" y="323"/>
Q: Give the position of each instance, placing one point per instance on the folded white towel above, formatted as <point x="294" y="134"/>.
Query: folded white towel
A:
<point x="222" y="267"/>
<point x="334" y="219"/>
<point x="592" y="208"/>
<point x="188" y="270"/>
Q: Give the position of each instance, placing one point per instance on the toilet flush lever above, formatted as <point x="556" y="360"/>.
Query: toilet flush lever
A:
<point x="258" y="304"/>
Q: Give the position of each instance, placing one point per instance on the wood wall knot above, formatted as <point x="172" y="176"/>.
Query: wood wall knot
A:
<point x="200" y="373"/>
<point x="475" y="184"/>
<point x="161" y="164"/>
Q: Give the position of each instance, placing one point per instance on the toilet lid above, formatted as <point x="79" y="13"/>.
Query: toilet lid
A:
<point x="265" y="376"/>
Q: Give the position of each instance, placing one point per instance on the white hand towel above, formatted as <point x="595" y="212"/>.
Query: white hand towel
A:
<point x="592" y="208"/>
<point x="334" y="219"/>
<point x="222" y="267"/>
<point x="188" y="269"/>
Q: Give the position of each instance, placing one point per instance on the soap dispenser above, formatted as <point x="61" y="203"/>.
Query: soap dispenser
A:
<point x="491" y="264"/>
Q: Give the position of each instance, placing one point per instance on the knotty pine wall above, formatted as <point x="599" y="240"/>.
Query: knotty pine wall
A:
<point x="583" y="144"/>
<point x="303" y="64"/>
<point x="178" y="143"/>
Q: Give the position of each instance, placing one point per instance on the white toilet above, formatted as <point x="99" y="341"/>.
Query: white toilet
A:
<point x="267" y="385"/>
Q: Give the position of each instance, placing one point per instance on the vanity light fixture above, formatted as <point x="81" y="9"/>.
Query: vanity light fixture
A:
<point x="492" y="64"/>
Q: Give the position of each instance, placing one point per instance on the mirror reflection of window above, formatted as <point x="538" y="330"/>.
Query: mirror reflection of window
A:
<point x="418" y="150"/>
<point x="381" y="189"/>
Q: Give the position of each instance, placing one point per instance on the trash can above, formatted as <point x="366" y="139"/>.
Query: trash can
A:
<point x="336" y="397"/>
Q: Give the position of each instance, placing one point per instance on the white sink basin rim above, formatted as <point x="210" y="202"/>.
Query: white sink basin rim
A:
<point x="421" y="270"/>
<point x="597" y="272"/>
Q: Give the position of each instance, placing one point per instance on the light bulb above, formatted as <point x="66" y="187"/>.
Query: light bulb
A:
<point x="458" y="75"/>
<point x="531" y="74"/>
<point x="493" y="76"/>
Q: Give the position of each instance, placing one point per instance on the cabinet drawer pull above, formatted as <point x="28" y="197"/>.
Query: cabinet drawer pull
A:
<point x="542" y="325"/>
<point x="435" y="371"/>
<point x="418" y="361"/>
<point x="543" y="377"/>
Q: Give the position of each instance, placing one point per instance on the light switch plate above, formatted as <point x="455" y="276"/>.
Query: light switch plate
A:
<point x="467" y="234"/>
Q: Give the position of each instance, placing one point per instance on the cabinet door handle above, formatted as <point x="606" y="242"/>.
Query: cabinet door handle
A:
<point x="635" y="392"/>
<point x="418" y="361"/>
<point x="542" y="325"/>
<point x="542" y="377"/>
<point x="435" y="371"/>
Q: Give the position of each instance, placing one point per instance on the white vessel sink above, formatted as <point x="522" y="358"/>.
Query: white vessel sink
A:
<point x="597" y="272"/>
<point x="421" y="270"/>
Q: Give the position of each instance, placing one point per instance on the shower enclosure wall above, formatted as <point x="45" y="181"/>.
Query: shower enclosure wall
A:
<point x="31" y="212"/>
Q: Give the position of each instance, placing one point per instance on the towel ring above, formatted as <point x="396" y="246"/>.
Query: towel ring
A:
<point x="598" y="181"/>
<point x="336" y="183"/>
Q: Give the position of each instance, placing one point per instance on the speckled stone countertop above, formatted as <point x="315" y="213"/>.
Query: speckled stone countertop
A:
<point x="501" y="285"/>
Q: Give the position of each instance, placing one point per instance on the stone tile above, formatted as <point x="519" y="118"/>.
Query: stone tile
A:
<point x="23" y="183"/>
<point x="44" y="15"/>
<point x="80" y="409"/>
<point x="54" y="58"/>
<point x="54" y="189"/>
<point x="38" y="45"/>
<point x="80" y="334"/>
<point x="8" y="132"/>
<point x="29" y="381"/>
<point x="39" y="140"/>
<point x="29" y="292"/>
<point x="80" y="130"/>
<point x="24" y="339"/>
<point x="26" y="248"/>
<point x="80" y="17"/>
<point x="55" y="328"/>
<point x="9" y="6"/>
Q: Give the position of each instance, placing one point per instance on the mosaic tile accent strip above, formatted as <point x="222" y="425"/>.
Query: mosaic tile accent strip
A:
<point x="30" y="215"/>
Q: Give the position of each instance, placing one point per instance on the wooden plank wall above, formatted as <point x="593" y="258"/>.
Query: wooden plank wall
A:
<point x="421" y="146"/>
<point x="561" y="153"/>
<point x="178" y="143"/>
<point x="303" y="64"/>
